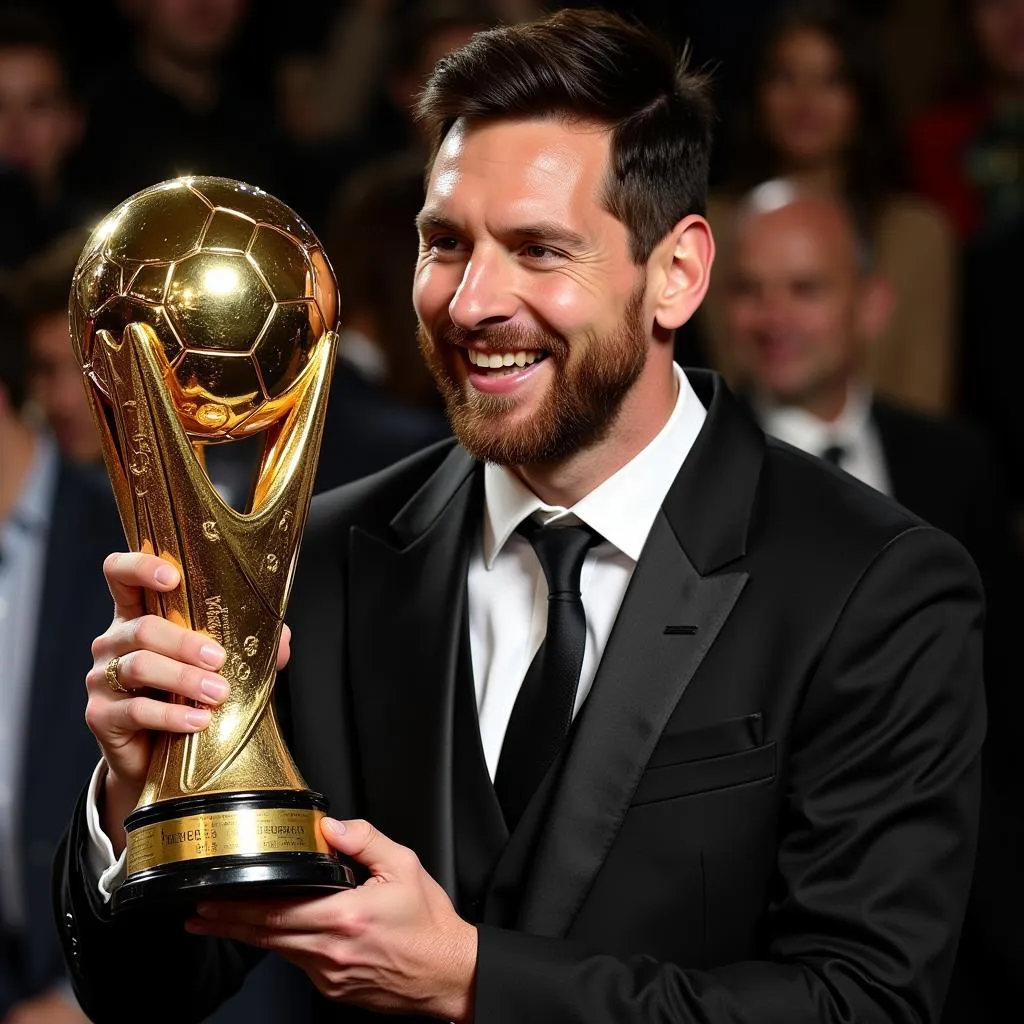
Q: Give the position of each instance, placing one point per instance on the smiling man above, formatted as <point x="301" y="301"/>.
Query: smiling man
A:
<point x="633" y="714"/>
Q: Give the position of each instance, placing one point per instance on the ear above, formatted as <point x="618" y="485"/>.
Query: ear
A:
<point x="875" y="308"/>
<point x="679" y="271"/>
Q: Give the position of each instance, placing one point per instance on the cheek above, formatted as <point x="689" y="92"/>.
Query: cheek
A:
<point x="569" y="308"/>
<point x="433" y="289"/>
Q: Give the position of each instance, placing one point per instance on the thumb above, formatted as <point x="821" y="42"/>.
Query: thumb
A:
<point x="362" y="842"/>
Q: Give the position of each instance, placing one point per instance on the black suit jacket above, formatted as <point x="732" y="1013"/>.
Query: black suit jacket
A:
<point x="767" y="808"/>
<point x="59" y="750"/>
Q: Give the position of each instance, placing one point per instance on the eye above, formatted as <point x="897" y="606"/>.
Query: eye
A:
<point x="537" y="251"/>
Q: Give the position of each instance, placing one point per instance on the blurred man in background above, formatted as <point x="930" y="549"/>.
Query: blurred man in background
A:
<point x="804" y="308"/>
<point x="55" y="377"/>
<point x="40" y="125"/>
<point x="55" y="522"/>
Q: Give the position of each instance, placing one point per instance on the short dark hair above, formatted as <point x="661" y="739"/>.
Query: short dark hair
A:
<point x="591" y="66"/>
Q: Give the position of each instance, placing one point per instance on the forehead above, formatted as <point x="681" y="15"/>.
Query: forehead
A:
<point x="33" y="63"/>
<point x="546" y="168"/>
<point x="799" y="238"/>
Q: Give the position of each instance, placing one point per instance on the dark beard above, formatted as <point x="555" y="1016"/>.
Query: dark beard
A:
<point x="580" y="407"/>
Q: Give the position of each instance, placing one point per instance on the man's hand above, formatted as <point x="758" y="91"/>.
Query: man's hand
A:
<point x="156" y="659"/>
<point x="395" y="944"/>
<point x="49" y="1008"/>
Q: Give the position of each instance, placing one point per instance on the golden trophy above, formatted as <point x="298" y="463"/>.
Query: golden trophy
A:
<point x="203" y="310"/>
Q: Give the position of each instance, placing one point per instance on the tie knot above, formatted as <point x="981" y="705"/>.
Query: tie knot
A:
<point x="834" y="453"/>
<point x="561" y="551"/>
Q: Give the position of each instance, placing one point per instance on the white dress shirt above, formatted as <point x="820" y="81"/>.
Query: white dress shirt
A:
<point x="508" y="592"/>
<point x="854" y="432"/>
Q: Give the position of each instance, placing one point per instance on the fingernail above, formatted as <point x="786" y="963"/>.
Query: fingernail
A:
<point x="212" y="655"/>
<point x="335" y="826"/>
<point x="196" y="927"/>
<point x="167" y="575"/>
<point x="207" y="910"/>
<point x="214" y="689"/>
<point x="197" y="718"/>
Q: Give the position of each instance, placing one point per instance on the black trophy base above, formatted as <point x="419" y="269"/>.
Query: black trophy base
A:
<point x="256" y="845"/>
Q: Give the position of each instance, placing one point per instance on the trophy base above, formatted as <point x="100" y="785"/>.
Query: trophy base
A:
<point x="256" y="845"/>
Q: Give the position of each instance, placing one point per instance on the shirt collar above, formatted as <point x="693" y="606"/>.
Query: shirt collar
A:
<point x="622" y="509"/>
<point x="805" y="431"/>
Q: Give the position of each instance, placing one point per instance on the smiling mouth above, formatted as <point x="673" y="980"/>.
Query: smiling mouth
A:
<point x="500" y="363"/>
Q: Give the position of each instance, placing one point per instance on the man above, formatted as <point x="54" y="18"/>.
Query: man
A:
<point x="39" y="128"/>
<point x="764" y="806"/>
<point x="804" y="308"/>
<point x="54" y="523"/>
<point x="55" y="376"/>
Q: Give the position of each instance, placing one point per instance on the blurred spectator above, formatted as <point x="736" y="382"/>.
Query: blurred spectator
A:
<point x="377" y="121"/>
<point x="56" y="525"/>
<point x="55" y="377"/>
<point x="179" y="105"/>
<point x="968" y="153"/>
<point x="817" y="113"/>
<point x="383" y="402"/>
<point x="39" y="127"/>
<point x="805" y="306"/>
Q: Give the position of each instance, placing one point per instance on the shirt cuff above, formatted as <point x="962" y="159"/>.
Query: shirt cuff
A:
<point x="108" y="870"/>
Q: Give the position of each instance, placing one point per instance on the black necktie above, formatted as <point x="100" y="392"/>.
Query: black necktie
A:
<point x="543" y="709"/>
<point x="834" y="453"/>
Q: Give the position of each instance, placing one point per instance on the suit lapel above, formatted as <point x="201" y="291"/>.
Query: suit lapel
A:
<point x="408" y="592"/>
<point x="645" y="669"/>
<point x="643" y="675"/>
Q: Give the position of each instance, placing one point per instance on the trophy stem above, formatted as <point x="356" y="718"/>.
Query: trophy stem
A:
<point x="222" y="845"/>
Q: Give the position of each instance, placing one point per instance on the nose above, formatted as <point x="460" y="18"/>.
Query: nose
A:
<point x="487" y="293"/>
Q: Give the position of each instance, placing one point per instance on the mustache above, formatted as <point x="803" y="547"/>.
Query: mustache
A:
<point x="505" y="338"/>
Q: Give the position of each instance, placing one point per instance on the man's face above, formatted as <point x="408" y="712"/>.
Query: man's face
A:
<point x="999" y="26"/>
<point x="193" y="31"/>
<point x="521" y="265"/>
<point x="37" y="124"/>
<point x="793" y="300"/>
<point x="56" y="385"/>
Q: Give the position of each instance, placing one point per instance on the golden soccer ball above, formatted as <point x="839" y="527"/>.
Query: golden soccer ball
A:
<point x="235" y="286"/>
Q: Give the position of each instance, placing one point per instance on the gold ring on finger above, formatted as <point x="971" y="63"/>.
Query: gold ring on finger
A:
<point x="112" y="679"/>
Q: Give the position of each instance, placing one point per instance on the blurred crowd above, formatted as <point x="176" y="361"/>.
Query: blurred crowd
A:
<point x="868" y="207"/>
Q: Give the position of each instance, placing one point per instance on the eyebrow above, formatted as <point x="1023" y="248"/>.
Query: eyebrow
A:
<point x="541" y="231"/>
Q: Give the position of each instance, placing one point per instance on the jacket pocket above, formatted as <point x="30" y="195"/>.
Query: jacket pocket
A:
<point x="707" y="774"/>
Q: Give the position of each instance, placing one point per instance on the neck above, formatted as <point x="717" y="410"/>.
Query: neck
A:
<point x="18" y="444"/>
<point x="829" y="178"/>
<point x="826" y="403"/>
<point x="194" y="83"/>
<point x="644" y="411"/>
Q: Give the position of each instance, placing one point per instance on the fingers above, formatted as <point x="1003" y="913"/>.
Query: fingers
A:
<point x="160" y="636"/>
<point x="284" y="648"/>
<point x="128" y="573"/>
<point x="128" y="717"/>
<point x="364" y="843"/>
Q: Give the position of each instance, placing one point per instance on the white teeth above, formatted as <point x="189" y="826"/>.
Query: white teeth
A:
<point x="499" y="360"/>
